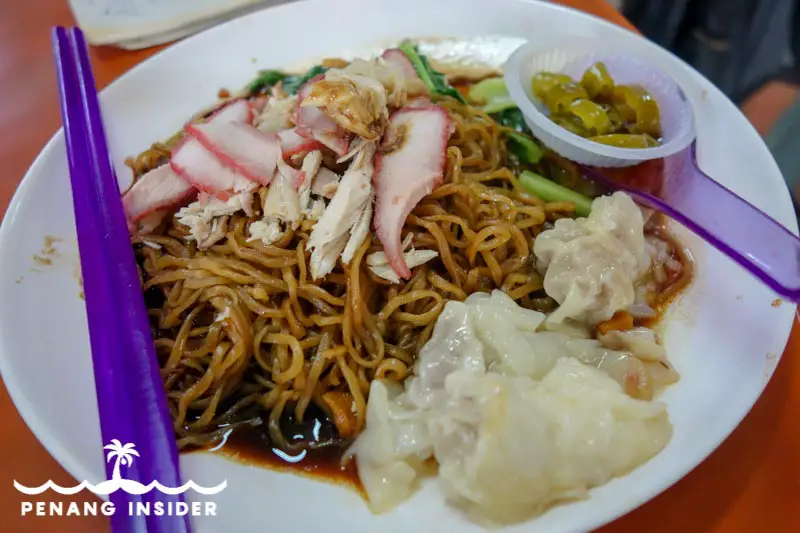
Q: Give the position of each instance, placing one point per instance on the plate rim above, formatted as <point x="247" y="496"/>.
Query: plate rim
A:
<point x="77" y="468"/>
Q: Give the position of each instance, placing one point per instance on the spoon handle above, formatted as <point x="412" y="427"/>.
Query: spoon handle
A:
<point x="734" y="226"/>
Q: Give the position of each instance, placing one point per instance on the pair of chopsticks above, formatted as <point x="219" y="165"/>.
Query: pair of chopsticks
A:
<point x="130" y="392"/>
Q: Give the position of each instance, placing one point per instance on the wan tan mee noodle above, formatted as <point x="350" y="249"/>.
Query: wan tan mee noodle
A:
<point x="245" y="336"/>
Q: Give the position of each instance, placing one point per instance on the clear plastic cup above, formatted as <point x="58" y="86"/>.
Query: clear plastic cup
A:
<point x="572" y="56"/>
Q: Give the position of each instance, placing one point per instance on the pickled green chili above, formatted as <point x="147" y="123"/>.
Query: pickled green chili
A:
<point x="596" y="108"/>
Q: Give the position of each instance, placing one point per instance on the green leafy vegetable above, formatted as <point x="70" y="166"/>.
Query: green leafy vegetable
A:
<point x="524" y="147"/>
<point x="291" y="83"/>
<point x="568" y="174"/>
<point x="512" y="118"/>
<point x="492" y="95"/>
<point x="550" y="191"/>
<point x="266" y="79"/>
<point x="520" y="142"/>
<point x="435" y="81"/>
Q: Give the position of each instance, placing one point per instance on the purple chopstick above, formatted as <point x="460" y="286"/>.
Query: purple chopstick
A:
<point x="131" y="399"/>
<point x="95" y="290"/>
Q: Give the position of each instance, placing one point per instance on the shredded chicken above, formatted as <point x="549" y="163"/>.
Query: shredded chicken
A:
<point x="332" y="232"/>
<point x="282" y="201"/>
<point x="326" y="183"/>
<point x="268" y="231"/>
<point x="281" y="207"/>
<point x="207" y="218"/>
<point x="219" y="227"/>
<point x="399" y="84"/>
<point x="310" y="168"/>
<point x="356" y="103"/>
<point x="286" y="206"/>
<point x="357" y="145"/>
<point x="277" y="115"/>
<point x="317" y="209"/>
<point x="360" y="231"/>
<point x="326" y="256"/>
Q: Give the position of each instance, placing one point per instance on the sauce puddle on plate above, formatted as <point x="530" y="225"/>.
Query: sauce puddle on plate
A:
<point x="253" y="446"/>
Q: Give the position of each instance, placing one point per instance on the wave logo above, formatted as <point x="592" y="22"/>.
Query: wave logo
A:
<point x="123" y="455"/>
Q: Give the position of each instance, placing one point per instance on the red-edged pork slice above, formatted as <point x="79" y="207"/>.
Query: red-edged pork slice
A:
<point x="199" y="166"/>
<point x="158" y="189"/>
<point x="203" y="198"/>
<point x="408" y="173"/>
<point x="293" y="144"/>
<point x="150" y="222"/>
<point x="318" y="124"/>
<point x="238" y="110"/>
<point x="304" y="132"/>
<point x="399" y="61"/>
<point x="243" y="148"/>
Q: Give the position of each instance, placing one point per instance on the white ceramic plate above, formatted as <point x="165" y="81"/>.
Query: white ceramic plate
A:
<point x="724" y="336"/>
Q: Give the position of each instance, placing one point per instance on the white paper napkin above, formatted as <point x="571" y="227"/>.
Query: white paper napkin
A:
<point x="133" y="24"/>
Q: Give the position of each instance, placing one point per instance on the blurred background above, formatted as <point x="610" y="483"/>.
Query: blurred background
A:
<point x="749" y="48"/>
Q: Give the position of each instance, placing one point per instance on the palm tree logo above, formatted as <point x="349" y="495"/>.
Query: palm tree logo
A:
<point x="123" y="453"/>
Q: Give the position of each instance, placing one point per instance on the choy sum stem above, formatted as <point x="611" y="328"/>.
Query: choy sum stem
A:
<point x="550" y="191"/>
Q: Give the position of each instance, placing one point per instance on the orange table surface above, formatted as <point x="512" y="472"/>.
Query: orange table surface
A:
<point x="751" y="483"/>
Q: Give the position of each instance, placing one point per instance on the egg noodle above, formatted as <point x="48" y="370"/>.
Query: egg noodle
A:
<point x="245" y="336"/>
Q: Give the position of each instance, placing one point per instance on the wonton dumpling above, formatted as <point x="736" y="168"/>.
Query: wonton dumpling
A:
<point x="628" y="371"/>
<point x="505" y="329"/>
<point x="396" y="440"/>
<point x="641" y="342"/>
<point x="387" y="471"/>
<point x="539" y="443"/>
<point x="453" y="346"/>
<point x="590" y="264"/>
<point x="508" y="445"/>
